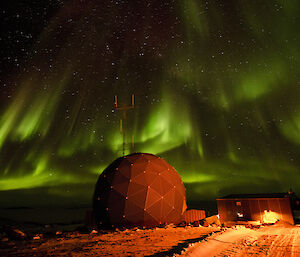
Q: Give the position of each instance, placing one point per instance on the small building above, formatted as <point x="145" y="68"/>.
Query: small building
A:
<point x="190" y="216"/>
<point x="263" y="208"/>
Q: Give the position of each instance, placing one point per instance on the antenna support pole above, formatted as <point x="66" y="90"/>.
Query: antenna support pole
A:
<point x="124" y="108"/>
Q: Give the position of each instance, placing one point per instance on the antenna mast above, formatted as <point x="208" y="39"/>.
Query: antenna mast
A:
<point x="124" y="108"/>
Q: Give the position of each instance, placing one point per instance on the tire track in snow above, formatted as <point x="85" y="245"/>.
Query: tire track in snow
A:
<point x="273" y="241"/>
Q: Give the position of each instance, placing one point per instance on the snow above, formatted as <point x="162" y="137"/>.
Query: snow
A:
<point x="281" y="239"/>
<point x="275" y="240"/>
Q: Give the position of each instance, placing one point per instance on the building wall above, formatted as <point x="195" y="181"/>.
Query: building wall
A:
<point x="265" y="210"/>
<point x="191" y="216"/>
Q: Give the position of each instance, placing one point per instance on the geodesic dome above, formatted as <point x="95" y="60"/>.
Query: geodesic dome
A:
<point x="139" y="190"/>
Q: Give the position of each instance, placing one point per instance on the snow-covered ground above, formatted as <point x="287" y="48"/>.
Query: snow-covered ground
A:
<point x="165" y="241"/>
<point x="275" y="240"/>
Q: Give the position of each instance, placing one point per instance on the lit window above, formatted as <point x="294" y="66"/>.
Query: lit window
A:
<point x="238" y="203"/>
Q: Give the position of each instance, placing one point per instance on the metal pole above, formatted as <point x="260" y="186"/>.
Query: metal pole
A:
<point x="123" y="121"/>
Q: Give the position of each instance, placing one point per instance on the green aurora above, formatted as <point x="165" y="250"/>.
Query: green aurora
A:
<point x="216" y="84"/>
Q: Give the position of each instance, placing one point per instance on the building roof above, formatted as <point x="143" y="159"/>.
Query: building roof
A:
<point x="264" y="195"/>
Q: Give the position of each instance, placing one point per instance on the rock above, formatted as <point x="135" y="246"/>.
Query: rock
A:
<point x="14" y="233"/>
<point x="213" y="220"/>
<point x="203" y="223"/>
<point x="4" y="239"/>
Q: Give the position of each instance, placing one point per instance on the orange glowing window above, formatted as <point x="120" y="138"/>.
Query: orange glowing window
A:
<point x="238" y="203"/>
<point x="270" y="216"/>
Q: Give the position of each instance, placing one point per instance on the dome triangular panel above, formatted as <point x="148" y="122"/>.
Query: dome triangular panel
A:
<point x="139" y="189"/>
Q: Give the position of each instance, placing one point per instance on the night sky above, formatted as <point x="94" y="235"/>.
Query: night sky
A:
<point x="216" y="85"/>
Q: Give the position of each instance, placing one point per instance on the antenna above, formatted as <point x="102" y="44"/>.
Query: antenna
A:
<point x="124" y="108"/>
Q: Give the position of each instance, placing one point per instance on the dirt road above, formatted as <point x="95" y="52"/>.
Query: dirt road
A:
<point x="276" y="241"/>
